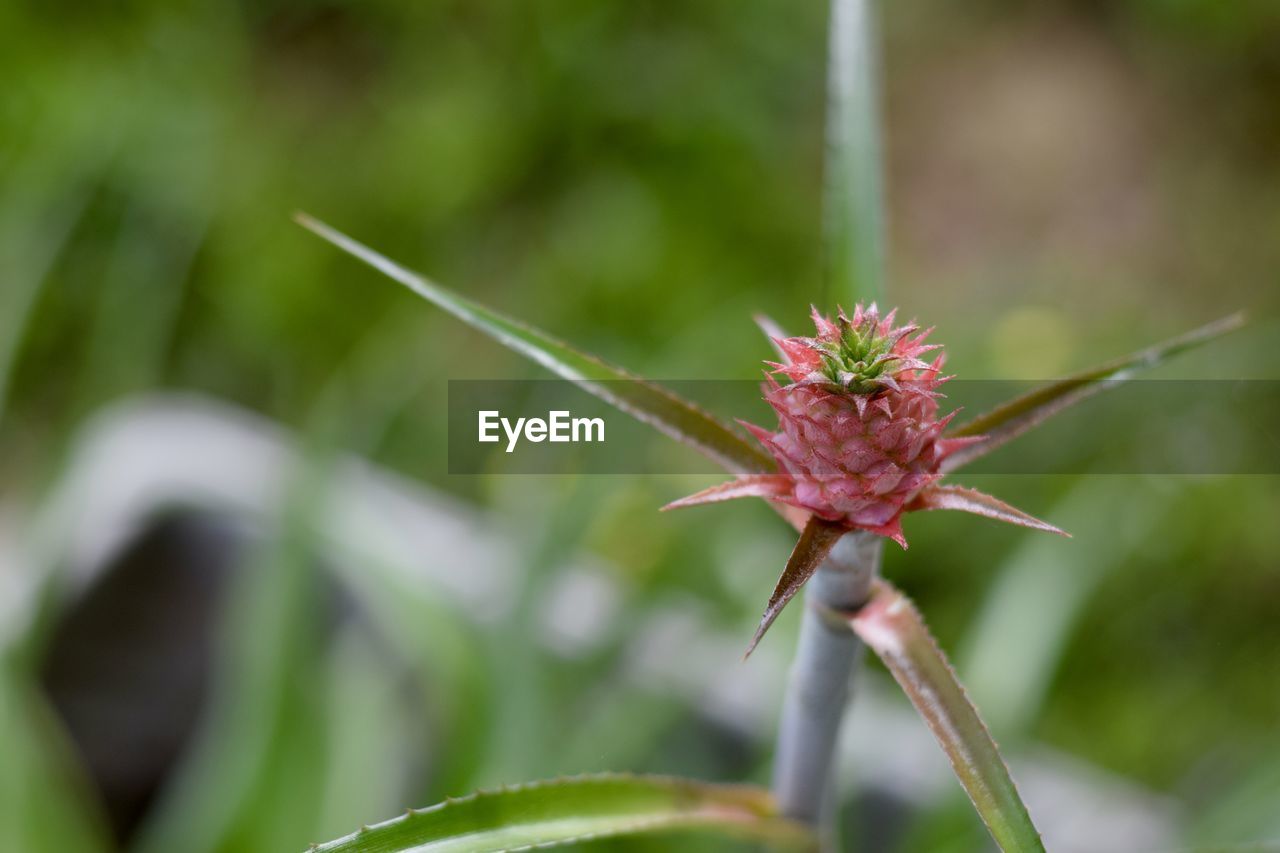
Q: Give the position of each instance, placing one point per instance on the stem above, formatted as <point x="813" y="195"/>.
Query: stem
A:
<point x="820" y="683"/>
<point x="855" y="225"/>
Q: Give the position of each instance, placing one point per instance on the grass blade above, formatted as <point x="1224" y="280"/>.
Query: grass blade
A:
<point x="646" y="401"/>
<point x="46" y="803"/>
<point x="565" y="811"/>
<point x="1010" y="420"/>
<point x="854" y="203"/>
<point x="1041" y="593"/>
<point x="30" y="243"/>
<point x="890" y="624"/>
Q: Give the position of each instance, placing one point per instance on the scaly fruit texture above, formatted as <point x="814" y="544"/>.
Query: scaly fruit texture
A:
<point x="859" y="439"/>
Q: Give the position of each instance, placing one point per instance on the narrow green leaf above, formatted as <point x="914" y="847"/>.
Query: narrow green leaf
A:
<point x="854" y="206"/>
<point x="565" y="811"/>
<point x="816" y="541"/>
<point x="646" y="401"/>
<point x="892" y="626"/>
<point x="31" y="240"/>
<point x="1010" y="420"/>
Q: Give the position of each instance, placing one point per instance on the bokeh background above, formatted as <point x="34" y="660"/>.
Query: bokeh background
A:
<point x="242" y="605"/>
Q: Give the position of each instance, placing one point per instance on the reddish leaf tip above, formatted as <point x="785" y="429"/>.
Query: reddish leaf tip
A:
<point x="767" y="486"/>
<point x="816" y="541"/>
<point x="980" y="503"/>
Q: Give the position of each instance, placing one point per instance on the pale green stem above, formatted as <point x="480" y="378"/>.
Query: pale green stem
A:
<point x="820" y="684"/>
<point x="855" y="237"/>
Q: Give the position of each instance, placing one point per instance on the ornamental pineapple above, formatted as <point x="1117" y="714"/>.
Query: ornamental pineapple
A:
<point x="859" y="439"/>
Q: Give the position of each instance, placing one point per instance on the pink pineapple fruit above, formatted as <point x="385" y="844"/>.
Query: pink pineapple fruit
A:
<point x="859" y="439"/>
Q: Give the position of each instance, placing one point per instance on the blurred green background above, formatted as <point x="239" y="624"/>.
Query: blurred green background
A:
<point x="1067" y="181"/>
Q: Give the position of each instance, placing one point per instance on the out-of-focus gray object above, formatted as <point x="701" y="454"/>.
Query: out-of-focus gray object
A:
<point x="129" y="664"/>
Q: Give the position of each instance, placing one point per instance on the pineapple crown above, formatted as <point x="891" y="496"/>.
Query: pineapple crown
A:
<point x="858" y="355"/>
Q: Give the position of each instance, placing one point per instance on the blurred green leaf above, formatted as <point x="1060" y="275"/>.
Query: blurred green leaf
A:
<point x="33" y="233"/>
<point x="133" y="320"/>
<point x="564" y="811"/>
<point x="890" y="624"/>
<point x="1010" y="420"/>
<point x="46" y="805"/>
<point x="255" y="778"/>
<point x="1243" y="810"/>
<point x="1042" y="590"/>
<point x="646" y="401"/>
<point x="854" y="208"/>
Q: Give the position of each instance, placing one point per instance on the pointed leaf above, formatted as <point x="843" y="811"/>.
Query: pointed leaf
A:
<point x="566" y="811"/>
<point x="773" y="331"/>
<point x="978" y="503"/>
<point x="751" y="486"/>
<point x="816" y="541"/>
<point x="646" y="401"/>
<point x="854" y="208"/>
<point x="890" y="624"/>
<point x="1010" y="420"/>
